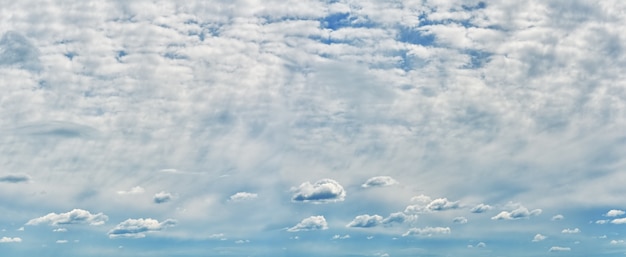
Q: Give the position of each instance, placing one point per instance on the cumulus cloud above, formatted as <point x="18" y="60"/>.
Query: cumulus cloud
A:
<point x="570" y="231"/>
<point x="559" y="249"/>
<point x="340" y="237"/>
<point x="132" y="191"/>
<point x="59" y="230"/>
<point x="15" y="178"/>
<point x="539" y="237"/>
<point x="10" y="240"/>
<point x="602" y="222"/>
<point x="519" y="213"/>
<point x="614" y="213"/>
<point x="615" y="242"/>
<point x="137" y="228"/>
<point x="310" y="223"/>
<point x="481" y="208"/>
<point x="427" y="231"/>
<point x="481" y="245"/>
<point x="439" y="204"/>
<point x="379" y="181"/>
<point x="398" y="217"/>
<point x="460" y="220"/>
<point x="162" y="197"/>
<point x="242" y="196"/>
<point x="365" y="221"/>
<point x="619" y="221"/>
<point x="322" y="191"/>
<point x="557" y="217"/>
<point x="76" y="216"/>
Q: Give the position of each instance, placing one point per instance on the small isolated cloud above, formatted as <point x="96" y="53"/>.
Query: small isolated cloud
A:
<point x="380" y="181"/>
<point x="439" y="204"/>
<point x="481" y="245"/>
<point x="162" y="197"/>
<point x="310" y="223"/>
<point x="539" y="237"/>
<point x="460" y="220"/>
<point x="15" y="178"/>
<point x="137" y="228"/>
<point x="614" y="213"/>
<point x="602" y="221"/>
<point x="242" y="196"/>
<point x="10" y="240"/>
<point x="61" y="241"/>
<point x="557" y="217"/>
<point x="322" y="191"/>
<point x="76" y="216"/>
<point x="398" y="217"/>
<point x="481" y="208"/>
<point x="559" y="249"/>
<point x="519" y="213"/>
<point x="59" y="230"/>
<point x="427" y="231"/>
<point x="616" y="242"/>
<point x="619" y="221"/>
<point x="240" y="241"/>
<point x="570" y="231"/>
<point x="132" y="191"/>
<point x="340" y="237"/>
<point x="365" y="221"/>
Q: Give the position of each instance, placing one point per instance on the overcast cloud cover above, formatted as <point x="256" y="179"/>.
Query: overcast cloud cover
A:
<point x="276" y="128"/>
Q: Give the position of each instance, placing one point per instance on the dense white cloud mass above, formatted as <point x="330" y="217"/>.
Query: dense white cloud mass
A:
<point x="310" y="223"/>
<point x="483" y="102"/>
<point x="137" y="228"/>
<point x="322" y="191"/>
<point x="75" y="216"/>
<point x="379" y="181"/>
<point x="5" y="239"/>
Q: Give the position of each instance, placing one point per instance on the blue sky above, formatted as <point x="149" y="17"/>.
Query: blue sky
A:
<point x="312" y="128"/>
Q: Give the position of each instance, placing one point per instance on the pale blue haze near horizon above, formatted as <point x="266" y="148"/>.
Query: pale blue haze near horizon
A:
<point x="312" y="128"/>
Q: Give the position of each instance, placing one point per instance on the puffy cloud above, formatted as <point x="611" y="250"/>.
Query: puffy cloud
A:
<point x="481" y="245"/>
<point x="398" y="217"/>
<point x="519" y="213"/>
<point x="615" y="242"/>
<point x="322" y="191"/>
<point x="132" y="191"/>
<point x="439" y="204"/>
<point x="602" y="222"/>
<point x="365" y="221"/>
<point x="162" y="197"/>
<point x="379" y="181"/>
<point x="539" y="237"/>
<point x="559" y="249"/>
<point x="15" y="178"/>
<point x="340" y="237"/>
<point x="310" y="223"/>
<point x="427" y="231"/>
<point x="481" y="208"/>
<point x="614" y="213"/>
<point x="59" y="230"/>
<point x="76" y="216"/>
<point x="10" y="240"/>
<point x="460" y="220"/>
<point x="242" y="196"/>
<point x="137" y="228"/>
<point x="557" y="217"/>
<point x="570" y="231"/>
<point x="619" y="221"/>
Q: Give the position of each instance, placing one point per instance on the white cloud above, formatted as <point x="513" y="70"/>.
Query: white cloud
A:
<point x="421" y="199"/>
<point x="614" y="213"/>
<point x="615" y="242"/>
<point x="557" y="217"/>
<point x="365" y="221"/>
<point x="137" y="228"/>
<point x="322" y="191"/>
<point x="162" y="197"/>
<point x="481" y="245"/>
<point x="539" y="237"/>
<point x="310" y="223"/>
<point x="340" y="237"/>
<point x="132" y="191"/>
<point x="75" y="216"/>
<point x="379" y="181"/>
<point x="59" y="230"/>
<point x="399" y="217"/>
<point x="519" y="213"/>
<point x="619" y="221"/>
<point x="427" y="231"/>
<point x="61" y="241"/>
<point x="241" y="241"/>
<point x="570" y="231"/>
<point x="243" y="196"/>
<point x="439" y="204"/>
<point x="559" y="249"/>
<point x="481" y="208"/>
<point x="460" y="220"/>
<point x="10" y="240"/>
<point x="602" y="221"/>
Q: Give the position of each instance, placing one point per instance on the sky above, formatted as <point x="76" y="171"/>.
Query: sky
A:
<point x="312" y="128"/>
